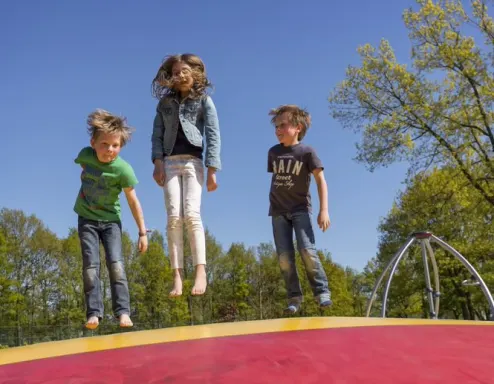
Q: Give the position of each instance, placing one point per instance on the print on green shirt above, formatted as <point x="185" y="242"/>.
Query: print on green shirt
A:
<point x="101" y="185"/>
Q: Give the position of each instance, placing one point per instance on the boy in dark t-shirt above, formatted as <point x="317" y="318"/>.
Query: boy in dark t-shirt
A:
<point x="292" y="163"/>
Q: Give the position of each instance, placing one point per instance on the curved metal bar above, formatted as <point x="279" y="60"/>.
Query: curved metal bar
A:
<point x="378" y="283"/>
<point x="427" y="277"/>
<point x="472" y="270"/>
<point x="437" y="292"/>
<point x="388" y="284"/>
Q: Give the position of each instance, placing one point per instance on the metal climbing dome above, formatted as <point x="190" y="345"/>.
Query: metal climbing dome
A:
<point x="424" y="239"/>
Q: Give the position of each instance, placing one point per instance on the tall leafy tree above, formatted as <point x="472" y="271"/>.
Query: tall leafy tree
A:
<point x="438" y="110"/>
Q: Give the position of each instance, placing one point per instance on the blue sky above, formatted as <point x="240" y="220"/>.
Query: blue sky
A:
<point x="62" y="59"/>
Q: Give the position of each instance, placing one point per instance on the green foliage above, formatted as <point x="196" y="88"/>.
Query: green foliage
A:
<point x="438" y="111"/>
<point x="435" y="201"/>
<point x="42" y="298"/>
<point x="437" y="114"/>
<point x="42" y="295"/>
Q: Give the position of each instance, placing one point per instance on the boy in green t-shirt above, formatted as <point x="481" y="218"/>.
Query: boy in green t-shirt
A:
<point x="103" y="178"/>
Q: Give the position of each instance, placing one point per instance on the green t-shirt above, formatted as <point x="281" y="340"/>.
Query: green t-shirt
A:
<point x="102" y="184"/>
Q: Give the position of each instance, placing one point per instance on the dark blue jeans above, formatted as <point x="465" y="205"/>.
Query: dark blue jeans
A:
<point x="283" y="228"/>
<point x="110" y="234"/>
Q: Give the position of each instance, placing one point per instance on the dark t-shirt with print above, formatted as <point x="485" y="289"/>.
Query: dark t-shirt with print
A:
<point x="292" y="168"/>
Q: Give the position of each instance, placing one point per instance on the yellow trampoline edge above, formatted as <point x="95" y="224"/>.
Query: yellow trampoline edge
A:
<point x="183" y="333"/>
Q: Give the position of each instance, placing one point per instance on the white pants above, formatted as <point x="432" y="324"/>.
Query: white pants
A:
<point x="183" y="192"/>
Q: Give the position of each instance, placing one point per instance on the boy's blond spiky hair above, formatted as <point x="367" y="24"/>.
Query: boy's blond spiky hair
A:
<point x="298" y="116"/>
<point x="101" y="121"/>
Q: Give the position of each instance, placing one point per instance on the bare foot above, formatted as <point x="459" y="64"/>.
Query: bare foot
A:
<point x="92" y="322"/>
<point x="201" y="281"/>
<point x="125" y="321"/>
<point x="177" y="285"/>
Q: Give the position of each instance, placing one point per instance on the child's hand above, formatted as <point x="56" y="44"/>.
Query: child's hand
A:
<point x="323" y="220"/>
<point x="143" y="243"/>
<point x="211" y="182"/>
<point x="159" y="173"/>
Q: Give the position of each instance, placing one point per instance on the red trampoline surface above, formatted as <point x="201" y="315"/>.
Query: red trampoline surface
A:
<point x="377" y="354"/>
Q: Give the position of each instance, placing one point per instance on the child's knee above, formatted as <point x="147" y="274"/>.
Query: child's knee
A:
<point x="174" y="222"/>
<point x="284" y="261"/>
<point x="193" y="221"/>
<point x="117" y="271"/>
<point x="310" y="258"/>
<point x="90" y="275"/>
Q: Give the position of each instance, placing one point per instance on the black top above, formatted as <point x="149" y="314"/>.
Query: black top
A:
<point x="292" y="168"/>
<point x="183" y="146"/>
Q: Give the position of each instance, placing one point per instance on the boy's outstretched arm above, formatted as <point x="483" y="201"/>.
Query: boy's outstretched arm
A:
<point x="322" y="189"/>
<point x="135" y="207"/>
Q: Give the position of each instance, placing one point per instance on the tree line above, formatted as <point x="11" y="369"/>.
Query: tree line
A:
<point x="42" y="298"/>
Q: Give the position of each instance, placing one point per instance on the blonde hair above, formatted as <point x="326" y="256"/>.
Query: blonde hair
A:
<point x="101" y="121"/>
<point x="163" y="85"/>
<point x="298" y="116"/>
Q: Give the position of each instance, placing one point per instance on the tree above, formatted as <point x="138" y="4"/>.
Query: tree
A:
<point x="271" y="294"/>
<point x="69" y="298"/>
<point x="7" y="288"/>
<point x="460" y="217"/>
<point x="437" y="112"/>
<point x="42" y="294"/>
<point x="357" y="286"/>
<point x="341" y="294"/>
<point x="235" y="287"/>
<point x="32" y="251"/>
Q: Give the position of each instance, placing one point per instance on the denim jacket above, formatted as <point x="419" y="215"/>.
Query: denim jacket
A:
<point x="198" y="118"/>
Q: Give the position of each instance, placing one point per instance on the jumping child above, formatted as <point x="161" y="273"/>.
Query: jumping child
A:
<point x="185" y="116"/>
<point x="104" y="175"/>
<point x="292" y="164"/>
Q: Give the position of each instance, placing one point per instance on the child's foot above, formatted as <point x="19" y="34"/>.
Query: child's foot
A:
<point x="177" y="286"/>
<point x="92" y="322"/>
<point x="291" y="309"/>
<point x="293" y="306"/>
<point x="125" y="321"/>
<point x="324" y="300"/>
<point x="325" y="303"/>
<point x="201" y="281"/>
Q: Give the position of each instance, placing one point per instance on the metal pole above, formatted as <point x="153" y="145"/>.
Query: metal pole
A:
<point x="425" y="238"/>
<point x="472" y="270"/>
<point x="378" y="283"/>
<point x="400" y="255"/>
<point x="427" y="278"/>
<point x="437" y="292"/>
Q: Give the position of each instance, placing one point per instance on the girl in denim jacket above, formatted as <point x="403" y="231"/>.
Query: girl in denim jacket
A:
<point x="185" y="115"/>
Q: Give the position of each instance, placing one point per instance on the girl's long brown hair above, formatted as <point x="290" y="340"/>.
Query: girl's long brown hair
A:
<point x="162" y="84"/>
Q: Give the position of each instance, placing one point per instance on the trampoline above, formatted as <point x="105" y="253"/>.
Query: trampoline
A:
<point x="293" y="350"/>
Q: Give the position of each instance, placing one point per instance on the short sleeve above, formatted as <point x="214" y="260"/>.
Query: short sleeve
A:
<point x="128" y="177"/>
<point x="84" y="156"/>
<point x="270" y="162"/>
<point x="314" y="161"/>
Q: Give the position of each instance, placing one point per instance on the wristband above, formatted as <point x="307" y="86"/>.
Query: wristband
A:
<point x="144" y="234"/>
